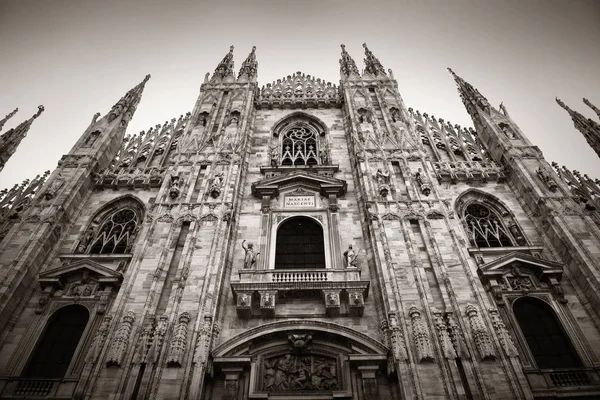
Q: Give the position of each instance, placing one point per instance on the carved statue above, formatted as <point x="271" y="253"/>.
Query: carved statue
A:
<point x="233" y="121"/>
<point x="174" y="189"/>
<point x="53" y="189"/>
<point x="85" y="241"/>
<point x="423" y="182"/>
<point x="250" y="257"/>
<point x="382" y="177"/>
<point x="215" y="186"/>
<point x="350" y="257"/>
<point x="274" y="154"/>
<point x="547" y="179"/>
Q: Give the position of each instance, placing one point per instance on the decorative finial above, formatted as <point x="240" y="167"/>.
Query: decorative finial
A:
<point x="231" y="49"/>
<point x="343" y="46"/>
<point x="563" y="105"/>
<point x="146" y="78"/>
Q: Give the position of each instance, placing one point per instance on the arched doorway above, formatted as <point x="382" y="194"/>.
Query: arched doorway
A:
<point x="547" y="340"/>
<point x="300" y="244"/>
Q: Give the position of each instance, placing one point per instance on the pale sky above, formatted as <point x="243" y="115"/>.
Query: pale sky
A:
<point x="80" y="57"/>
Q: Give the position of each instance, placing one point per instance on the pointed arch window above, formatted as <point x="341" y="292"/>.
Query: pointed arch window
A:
<point x="547" y="340"/>
<point x="58" y="343"/>
<point x="114" y="229"/>
<point x="300" y="245"/>
<point x="488" y="227"/>
<point x="299" y="145"/>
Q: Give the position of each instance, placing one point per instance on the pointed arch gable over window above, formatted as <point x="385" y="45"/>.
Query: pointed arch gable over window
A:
<point x="114" y="228"/>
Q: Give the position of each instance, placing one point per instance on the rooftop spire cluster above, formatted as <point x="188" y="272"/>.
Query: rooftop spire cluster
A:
<point x="10" y="140"/>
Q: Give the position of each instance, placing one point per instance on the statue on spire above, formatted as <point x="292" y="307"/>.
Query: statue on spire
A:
<point x="372" y="64"/>
<point x="347" y="64"/>
<point x="225" y="67"/>
<point x="249" y="66"/>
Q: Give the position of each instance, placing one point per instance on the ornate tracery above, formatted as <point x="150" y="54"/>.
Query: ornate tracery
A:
<point x="113" y="231"/>
<point x="488" y="223"/>
<point x="299" y="145"/>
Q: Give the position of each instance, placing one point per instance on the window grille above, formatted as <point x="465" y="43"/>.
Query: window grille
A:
<point x="299" y="145"/>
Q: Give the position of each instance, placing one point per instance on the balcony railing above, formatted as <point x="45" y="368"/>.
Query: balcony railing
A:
<point x="299" y="275"/>
<point x="550" y="380"/>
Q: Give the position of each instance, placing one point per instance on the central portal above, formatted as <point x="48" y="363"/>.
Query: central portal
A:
<point x="300" y="244"/>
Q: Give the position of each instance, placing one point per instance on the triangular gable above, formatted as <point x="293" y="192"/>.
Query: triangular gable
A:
<point x="57" y="276"/>
<point x="541" y="268"/>
<point x="322" y="184"/>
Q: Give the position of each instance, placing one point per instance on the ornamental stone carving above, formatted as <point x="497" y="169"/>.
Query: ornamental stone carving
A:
<point x="383" y="181"/>
<point x="350" y="258"/>
<point x="547" y="179"/>
<point x="119" y="344"/>
<point x="397" y="340"/>
<point x="202" y="349"/>
<point x="99" y="339"/>
<point x="179" y="341"/>
<point x="332" y="303"/>
<point x="420" y="336"/>
<point x="505" y="340"/>
<point x="216" y="185"/>
<point x="442" y="332"/>
<point x="145" y="340"/>
<point x="297" y="373"/>
<point x="481" y="336"/>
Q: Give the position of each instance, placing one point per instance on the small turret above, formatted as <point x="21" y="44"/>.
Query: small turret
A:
<point x="128" y="103"/>
<point x="225" y="67"/>
<point x="372" y="64"/>
<point x="8" y="116"/>
<point x="347" y="64"/>
<point x="249" y="67"/>
<point x="10" y="140"/>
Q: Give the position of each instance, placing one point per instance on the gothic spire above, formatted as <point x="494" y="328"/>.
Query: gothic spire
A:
<point x="347" y="64"/>
<point x="372" y="64"/>
<point x="587" y="103"/>
<point x="128" y="103"/>
<point x="10" y="140"/>
<point x="8" y="116"/>
<point x="469" y="94"/>
<point x="588" y="127"/>
<point x="249" y="66"/>
<point x="225" y="67"/>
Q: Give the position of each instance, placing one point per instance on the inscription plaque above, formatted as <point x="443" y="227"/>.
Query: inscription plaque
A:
<point x="299" y="201"/>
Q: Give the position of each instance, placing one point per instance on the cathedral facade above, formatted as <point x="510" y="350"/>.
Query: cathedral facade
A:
<point x="301" y="240"/>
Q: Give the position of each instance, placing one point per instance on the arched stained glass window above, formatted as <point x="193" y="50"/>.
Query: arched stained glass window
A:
<point x="485" y="228"/>
<point x="115" y="233"/>
<point x="299" y="245"/>
<point x="548" y="342"/>
<point x="299" y="145"/>
<point x="59" y="341"/>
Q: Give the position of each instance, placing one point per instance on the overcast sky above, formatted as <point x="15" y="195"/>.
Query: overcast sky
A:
<point x="80" y="57"/>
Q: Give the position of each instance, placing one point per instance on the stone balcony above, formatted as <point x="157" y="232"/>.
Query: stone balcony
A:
<point x="260" y="289"/>
<point x="468" y="171"/>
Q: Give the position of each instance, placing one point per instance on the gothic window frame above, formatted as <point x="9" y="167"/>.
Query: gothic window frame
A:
<point x="294" y="135"/>
<point x="95" y="233"/>
<point x="505" y="222"/>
